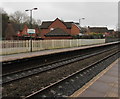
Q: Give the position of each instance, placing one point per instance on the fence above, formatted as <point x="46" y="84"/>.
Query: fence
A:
<point x="18" y="46"/>
<point x="111" y="39"/>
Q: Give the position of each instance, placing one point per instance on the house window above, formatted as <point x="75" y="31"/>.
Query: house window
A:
<point x="51" y="29"/>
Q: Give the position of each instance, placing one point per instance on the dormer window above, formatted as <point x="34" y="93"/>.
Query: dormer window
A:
<point x="51" y="29"/>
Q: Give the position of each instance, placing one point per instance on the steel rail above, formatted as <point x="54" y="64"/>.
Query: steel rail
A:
<point x="20" y="75"/>
<point x="31" y="96"/>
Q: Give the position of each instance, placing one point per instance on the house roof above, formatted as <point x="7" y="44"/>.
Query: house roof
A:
<point x="57" y="32"/>
<point x="68" y="24"/>
<point x="110" y="31"/>
<point x="46" y="24"/>
<point x="98" y="29"/>
<point x="83" y="30"/>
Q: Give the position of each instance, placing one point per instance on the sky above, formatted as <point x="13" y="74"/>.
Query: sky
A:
<point x="96" y="12"/>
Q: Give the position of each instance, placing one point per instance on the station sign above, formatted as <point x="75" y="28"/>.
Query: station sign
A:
<point x="31" y="31"/>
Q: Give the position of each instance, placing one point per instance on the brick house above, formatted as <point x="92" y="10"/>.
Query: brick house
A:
<point x="102" y="30"/>
<point x="59" y="29"/>
<point x="23" y="34"/>
<point x="111" y="33"/>
<point x="17" y="32"/>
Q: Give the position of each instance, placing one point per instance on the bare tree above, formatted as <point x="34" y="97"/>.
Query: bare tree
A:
<point x="2" y="11"/>
<point x="19" y="17"/>
<point x="36" y="22"/>
<point x="4" y="19"/>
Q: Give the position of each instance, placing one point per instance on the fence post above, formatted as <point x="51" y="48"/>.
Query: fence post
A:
<point x="52" y="41"/>
<point x="77" y="42"/>
<point x="30" y="45"/>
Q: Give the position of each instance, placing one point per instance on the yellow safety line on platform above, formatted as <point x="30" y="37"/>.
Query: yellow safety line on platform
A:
<point x="81" y="90"/>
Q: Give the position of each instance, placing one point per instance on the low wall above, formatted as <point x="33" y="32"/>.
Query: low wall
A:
<point x="107" y="40"/>
<point x="18" y="46"/>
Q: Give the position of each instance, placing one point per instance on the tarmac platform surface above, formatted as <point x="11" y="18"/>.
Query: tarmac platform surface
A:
<point x="105" y="84"/>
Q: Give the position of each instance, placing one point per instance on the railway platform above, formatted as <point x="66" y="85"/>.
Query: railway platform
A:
<point x="105" y="84"/>
<point x="13" y="57"/>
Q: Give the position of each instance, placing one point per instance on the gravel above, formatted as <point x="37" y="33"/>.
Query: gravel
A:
<point x="31" y="84"/>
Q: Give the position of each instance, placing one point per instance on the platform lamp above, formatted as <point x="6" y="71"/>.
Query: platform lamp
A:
<point x="31" y="25"/>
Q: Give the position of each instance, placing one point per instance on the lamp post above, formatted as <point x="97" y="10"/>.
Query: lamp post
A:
<point x="31" y="15"/>
<point x="31" y="25"/>
<point x="80" y="21"/>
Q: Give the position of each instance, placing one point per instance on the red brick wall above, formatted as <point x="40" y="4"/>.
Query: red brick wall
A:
<point x="75" y="30"/>
<point x="59" y="24"/>
<point x="43" y="32"/>
<point x="24" y="31"/>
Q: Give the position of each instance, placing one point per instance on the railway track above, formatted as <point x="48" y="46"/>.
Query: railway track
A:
<point x="27" y="63"/>
<point x="66" y="86"/>
<point x="30" y="84"/>
<point x="8" y="78"/>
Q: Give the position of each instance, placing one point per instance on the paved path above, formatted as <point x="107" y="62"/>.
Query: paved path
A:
<point x="104" y="84"/>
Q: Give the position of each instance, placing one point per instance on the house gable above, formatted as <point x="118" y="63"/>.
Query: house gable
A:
<point x="57" y="24"/>
<point x="24" y="31"/>
<point x="47" y="24"/>
<point x="75" y="30"/>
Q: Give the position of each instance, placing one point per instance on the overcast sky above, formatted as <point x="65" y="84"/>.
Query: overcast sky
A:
<point x="96" y="13"/>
